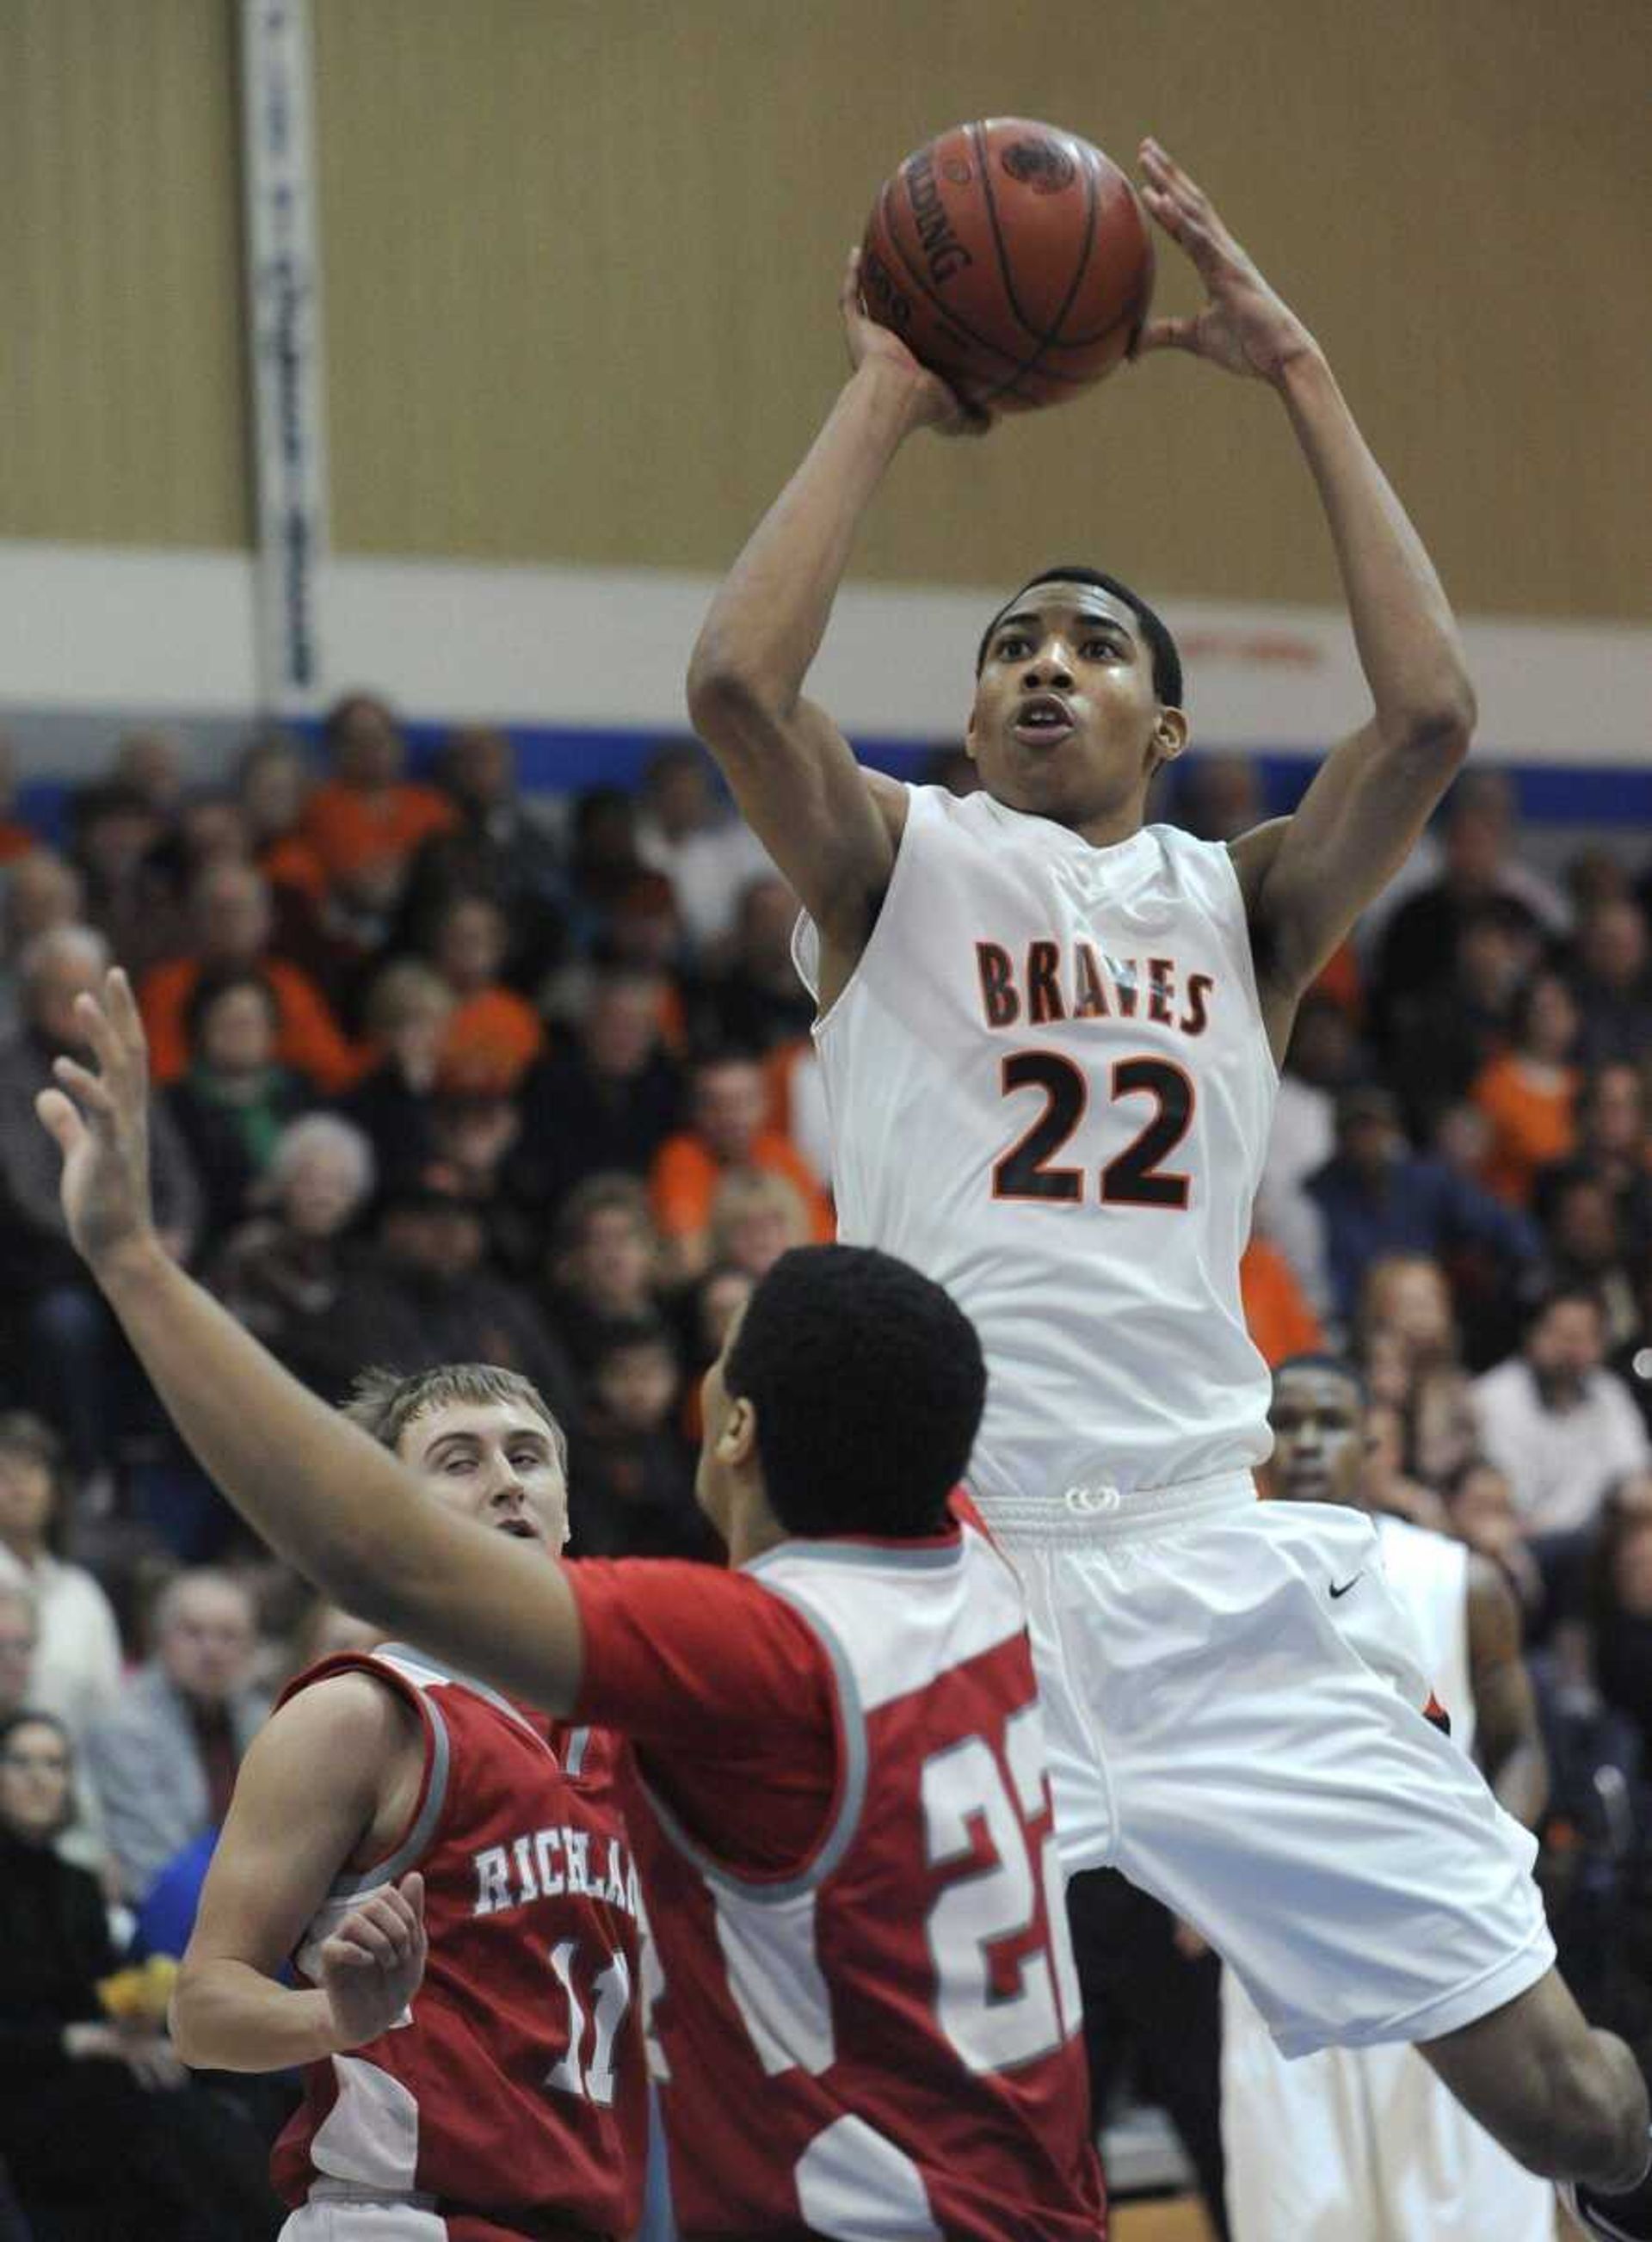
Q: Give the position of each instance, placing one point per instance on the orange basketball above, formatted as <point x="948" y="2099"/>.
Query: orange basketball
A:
<point x="1014" y="259"/>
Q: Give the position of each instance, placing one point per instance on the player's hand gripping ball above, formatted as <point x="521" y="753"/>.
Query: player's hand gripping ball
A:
<point x="1013" y="259"/>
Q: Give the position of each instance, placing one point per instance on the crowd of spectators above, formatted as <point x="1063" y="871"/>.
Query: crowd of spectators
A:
<point x="445" y="1070"/>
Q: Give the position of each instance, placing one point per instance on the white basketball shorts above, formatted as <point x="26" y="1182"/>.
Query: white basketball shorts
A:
<point x="337" y="2212"/>
<point x="1234" y="1704"/>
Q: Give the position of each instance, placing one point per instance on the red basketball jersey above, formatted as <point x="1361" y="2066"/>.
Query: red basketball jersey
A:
<point x="516" y="2086"/>
<point x="884" y="2041"/>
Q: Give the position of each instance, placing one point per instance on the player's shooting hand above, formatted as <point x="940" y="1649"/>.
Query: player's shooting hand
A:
<point x="1244" y="327"/>
<point x="99" y="1118"/>
<point x="373" y="1963"/>
<point x="933" y="405"/>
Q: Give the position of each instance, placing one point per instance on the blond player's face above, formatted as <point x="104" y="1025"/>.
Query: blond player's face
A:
<point x="495" y="1462"/>
<point x="1065" y="723"/>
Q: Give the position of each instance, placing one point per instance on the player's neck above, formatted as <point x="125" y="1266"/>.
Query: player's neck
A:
<point x="1109" y="829"/>
<point x="751" y="1530"/>
<point x="1105" y="828"/>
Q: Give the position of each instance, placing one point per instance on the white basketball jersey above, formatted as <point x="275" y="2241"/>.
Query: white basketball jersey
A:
<point x="1428" y="1574"/>
<point x="1051" y="1090"/>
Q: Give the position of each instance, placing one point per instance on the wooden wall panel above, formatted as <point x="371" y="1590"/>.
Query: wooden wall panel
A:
<point x="581" y="258"/>
<point x="123" y="411"/>
<point x="581" y="261"/>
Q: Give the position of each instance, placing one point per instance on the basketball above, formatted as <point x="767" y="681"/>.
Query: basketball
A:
<point x="1014" y="259"/>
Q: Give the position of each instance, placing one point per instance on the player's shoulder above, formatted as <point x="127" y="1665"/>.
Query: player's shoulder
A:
<point x="352" y="1703"/>
<point x="1422" y="1548"/>
<point x="674" y="1598"/>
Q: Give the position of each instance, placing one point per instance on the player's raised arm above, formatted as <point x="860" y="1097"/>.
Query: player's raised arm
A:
<point x="335" y="1504"/>
<point x="1359" y="820"/>
<point x="831" y="827"/>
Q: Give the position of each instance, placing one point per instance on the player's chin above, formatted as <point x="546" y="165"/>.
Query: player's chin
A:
<point x="1309" y="1488"/>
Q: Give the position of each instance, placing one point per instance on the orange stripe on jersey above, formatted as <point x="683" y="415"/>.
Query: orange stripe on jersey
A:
<point x="1435" y="1714"/>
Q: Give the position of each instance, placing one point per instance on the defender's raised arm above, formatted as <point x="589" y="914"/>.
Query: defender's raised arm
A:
<point x="334" y="1503"/>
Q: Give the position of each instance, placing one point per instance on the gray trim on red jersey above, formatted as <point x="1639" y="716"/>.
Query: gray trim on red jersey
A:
<point x="414" y="1845"/>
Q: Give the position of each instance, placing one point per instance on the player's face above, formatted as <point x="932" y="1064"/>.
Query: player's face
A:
<point x="495" y="1461"/>
<point x="1065" y="723"/>
<point x="1319" y="1438"/>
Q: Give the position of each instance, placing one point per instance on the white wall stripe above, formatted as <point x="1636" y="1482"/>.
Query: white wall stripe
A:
<point x="91" y="628"/>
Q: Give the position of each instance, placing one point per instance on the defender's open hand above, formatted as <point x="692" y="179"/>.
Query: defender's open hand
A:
<point x="99" y="1118"/>
<point x="1244" y="326"/>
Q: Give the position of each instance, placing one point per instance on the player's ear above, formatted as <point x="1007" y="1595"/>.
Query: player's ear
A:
<point x="969" y="733"/>
<point x="1170" y="733"/>
<point x="737" y="1441"/>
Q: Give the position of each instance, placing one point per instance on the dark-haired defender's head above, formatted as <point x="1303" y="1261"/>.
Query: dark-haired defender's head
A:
<point x="846" y="1401"/>
<point x="1317" y="1416"/>
<point x="1078" y="701"/>
<point x="481" y="1440"/>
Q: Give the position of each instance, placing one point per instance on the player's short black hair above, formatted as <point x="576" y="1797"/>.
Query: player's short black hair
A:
<point x="1324" y="1365"/>
<point x="868" y="1382"/>
<point x="1167" y="661"/>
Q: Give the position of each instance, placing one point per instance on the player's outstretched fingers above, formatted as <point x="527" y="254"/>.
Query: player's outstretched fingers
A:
<point x="127" y="1021"/>
<point x="95" y="1024"/>
<point x="61" y="1118"/>
<point x="1163" y="166"/>
<point x="89" y="1090"/>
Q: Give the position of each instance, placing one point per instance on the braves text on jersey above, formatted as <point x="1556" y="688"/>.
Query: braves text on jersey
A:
<point x="516" y="2088"/>
<point x="1051" y="1090"/>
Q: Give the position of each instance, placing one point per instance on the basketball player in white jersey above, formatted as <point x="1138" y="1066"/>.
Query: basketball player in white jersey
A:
<point x="1378" y="2149"/>
<point x="1050" y="1037"/>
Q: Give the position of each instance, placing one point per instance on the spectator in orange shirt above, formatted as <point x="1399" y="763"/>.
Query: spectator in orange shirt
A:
<point x="730" y="1103"/>
<point x="494" y="1036"/>
<point x="366" y="812"/>
<point x="1527" y="1094"/>
<point x="230" y="916"/>
<point x="273" y="782"/>
<point x="1276" y="1316"/>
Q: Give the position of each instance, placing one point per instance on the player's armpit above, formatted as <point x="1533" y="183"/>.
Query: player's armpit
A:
<point x="831" y="827"/>
<point x="1308" y="877"/>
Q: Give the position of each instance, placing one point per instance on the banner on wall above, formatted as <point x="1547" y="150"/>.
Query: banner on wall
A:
<point x="284" y="333"/>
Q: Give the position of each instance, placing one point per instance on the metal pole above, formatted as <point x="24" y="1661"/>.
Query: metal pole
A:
<point x="283" y="330"/>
